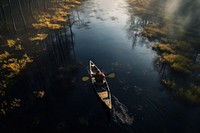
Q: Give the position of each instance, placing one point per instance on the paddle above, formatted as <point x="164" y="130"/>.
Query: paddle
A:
<point x="112" y="75"/>
<point x="85" y="78"/>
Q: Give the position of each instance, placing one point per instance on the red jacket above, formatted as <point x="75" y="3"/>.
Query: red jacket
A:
<point x="99" y="77"/>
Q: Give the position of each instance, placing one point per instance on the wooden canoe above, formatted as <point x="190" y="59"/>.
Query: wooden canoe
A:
<point x="103" y="90"/>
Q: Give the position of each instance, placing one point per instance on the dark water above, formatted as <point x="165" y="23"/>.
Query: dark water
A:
<point x="140" y="103"/>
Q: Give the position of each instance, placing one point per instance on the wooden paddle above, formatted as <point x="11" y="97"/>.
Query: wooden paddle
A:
<point x="112" y="75"/>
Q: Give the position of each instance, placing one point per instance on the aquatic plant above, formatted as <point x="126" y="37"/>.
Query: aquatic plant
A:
<point x="153" y="31"/>
<point x="15" y="103"/>
<point x="14" y="59"/>
<point x="11" y="43"/>
<point x="171" y="85"/>
<point x="167" y="48"/>
<point x="178" y="63"/>
<point x="4" y="55"/>
<point x="38" y="37"/>
<point x="6" y="106"/>
<point x="13" y="66"/>
<point x="178" y="44"/>
<point x="59" y="15"/>
<point x="18" y="47"/>
<point x="192" y="94"/>
<point x="3" y="107"/>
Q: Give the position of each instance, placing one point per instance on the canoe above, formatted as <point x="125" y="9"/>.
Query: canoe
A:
<point x="103" y="90"/>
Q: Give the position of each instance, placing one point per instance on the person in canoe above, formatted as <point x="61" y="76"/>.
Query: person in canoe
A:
<point x="99" y="77"/>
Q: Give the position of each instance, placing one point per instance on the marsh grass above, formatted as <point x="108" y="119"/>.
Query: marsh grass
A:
<point x="39" y="37"/>
<point x="178" y="63"/>
<point x="14" y="59"/>
<point x="11" y="42"/>
<point x="3" y="56"/>
<point x="192" y="94"/>
<point x="167" y="48"/>
<point x="10" y="67"/>
<point x="13" y="66"/>
<point x="171" y="85"/>
<point x="177" y="47"/>
<point x="153" y="31"/>
<point x="56" y="16"/>
<point x="177" y="53"/>
<point x="6" y="106"/>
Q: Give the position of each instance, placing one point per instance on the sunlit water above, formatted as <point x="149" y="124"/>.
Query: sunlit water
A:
<point x="141" y="104"/>
<point x="106" y="33"/>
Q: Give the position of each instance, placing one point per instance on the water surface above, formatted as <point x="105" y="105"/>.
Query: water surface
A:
<point x="141" y="104"/>
<point x="106" y="33"/>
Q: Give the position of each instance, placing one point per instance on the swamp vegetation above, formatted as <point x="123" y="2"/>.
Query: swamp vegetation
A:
<point x="23" y="25"/>
<point x="150" y="45"/>
<point x="175" y="27"/>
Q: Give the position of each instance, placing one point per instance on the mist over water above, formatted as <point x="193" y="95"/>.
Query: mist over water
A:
<point x="183" y="13"/>
<point x="108" y="34"/>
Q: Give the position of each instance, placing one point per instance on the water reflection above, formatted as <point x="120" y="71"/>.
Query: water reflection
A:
<point x="58" y="60"/>
<point x="69" y="105"/>
<point x="135" y="26"/>
<point x="44" y="85"/>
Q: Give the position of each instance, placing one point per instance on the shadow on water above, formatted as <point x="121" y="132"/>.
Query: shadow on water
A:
<point x="44" y="86"/>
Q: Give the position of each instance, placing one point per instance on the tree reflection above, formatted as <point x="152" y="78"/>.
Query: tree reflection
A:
<point x="44" y="84"/>
<point x="178" y="47"/>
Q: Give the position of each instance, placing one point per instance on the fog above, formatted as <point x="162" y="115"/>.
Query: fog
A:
<point x="184" y="13"/>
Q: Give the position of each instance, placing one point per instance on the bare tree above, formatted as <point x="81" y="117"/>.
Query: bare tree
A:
<point x="22" y="14"/>
<point x="11" y="14"/>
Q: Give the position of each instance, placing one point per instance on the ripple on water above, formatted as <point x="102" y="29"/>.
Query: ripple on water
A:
<point x="121" y="115"/>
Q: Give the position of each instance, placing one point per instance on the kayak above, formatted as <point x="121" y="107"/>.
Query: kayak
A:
<point x="102" y="90"/>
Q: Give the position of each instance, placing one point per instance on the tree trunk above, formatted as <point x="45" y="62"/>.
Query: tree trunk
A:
<point x="31" y="8"/>
<point x="13" y="21"/>
<point x="24" y="21"/>
<point x="4" y="15"/>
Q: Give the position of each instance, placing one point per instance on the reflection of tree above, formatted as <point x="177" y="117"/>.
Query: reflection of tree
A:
<point x="44" y="85"/>
<point x="135" y="25"/>
<point x="60" y="45"/>
<point x="52" y="71"/>
<point x="182" y="16"/>
<point x="176" y="27"/>
<point x="16" y="14"/>
<point x="162" y="68"/>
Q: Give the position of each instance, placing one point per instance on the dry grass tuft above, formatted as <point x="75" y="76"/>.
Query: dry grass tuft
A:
<point x="178" y="63"/>
<point x="167" y="48"/>
<point x="13" y="66"/>
<point x="39" y="37"/>
<point x="192" y="94"/>
<point x="4" y="56"/>
<point x="11" y="43"/>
